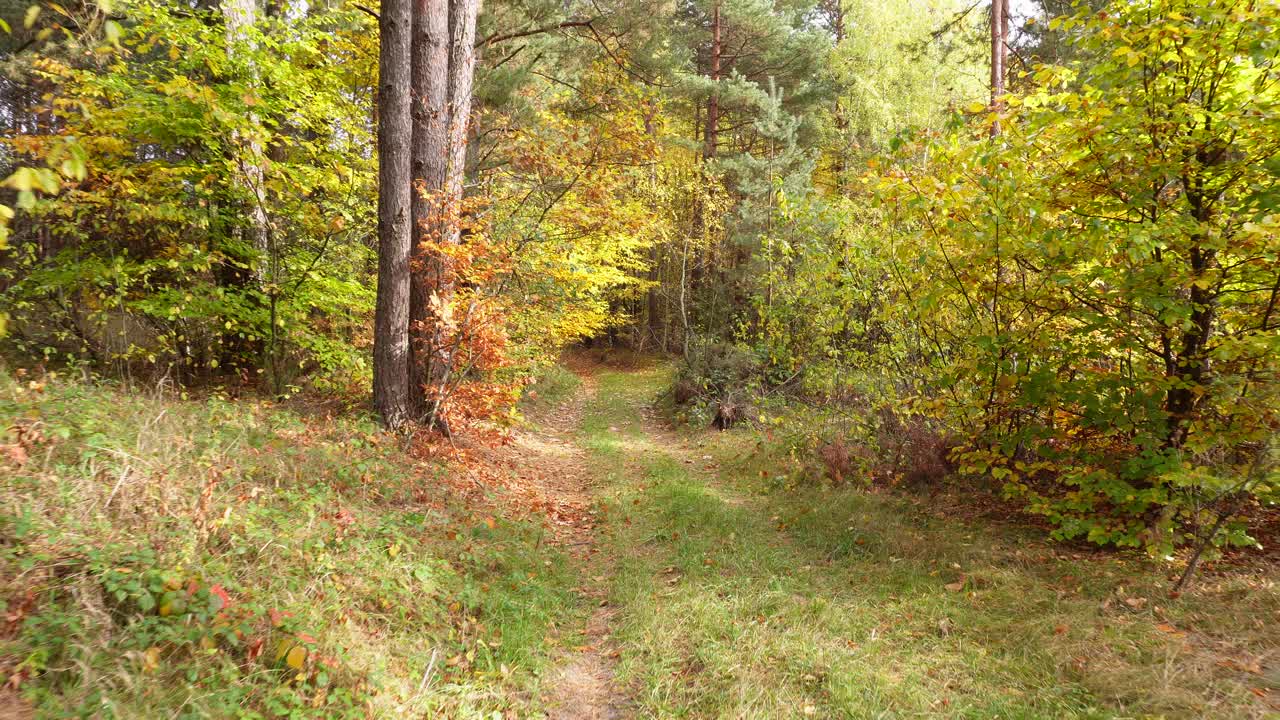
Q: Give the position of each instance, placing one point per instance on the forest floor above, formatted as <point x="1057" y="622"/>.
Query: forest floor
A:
<point x="220" y="556"/>
<point x="708" y="592"/>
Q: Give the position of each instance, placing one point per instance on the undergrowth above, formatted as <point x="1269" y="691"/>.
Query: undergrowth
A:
<point x="194" y="558"/>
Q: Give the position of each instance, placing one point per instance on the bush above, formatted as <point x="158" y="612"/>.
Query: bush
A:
<point x="718" y="382"/>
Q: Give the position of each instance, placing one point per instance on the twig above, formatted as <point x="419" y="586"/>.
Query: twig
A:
<point x="426" y="676"/>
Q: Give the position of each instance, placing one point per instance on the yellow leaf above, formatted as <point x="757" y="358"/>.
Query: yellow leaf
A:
<point x="151" y="659"/>
<point x="296" y="657"/>
<point x="394" y="550"/>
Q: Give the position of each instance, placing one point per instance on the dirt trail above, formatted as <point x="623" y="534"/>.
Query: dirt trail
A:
<point x="556" y="477"/>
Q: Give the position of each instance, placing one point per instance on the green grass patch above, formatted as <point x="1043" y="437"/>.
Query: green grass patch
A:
<point x="212" y="558"/>
<point x="738" y="598"/>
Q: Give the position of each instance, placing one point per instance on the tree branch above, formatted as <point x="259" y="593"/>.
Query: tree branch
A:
<point x="497" y="38"/>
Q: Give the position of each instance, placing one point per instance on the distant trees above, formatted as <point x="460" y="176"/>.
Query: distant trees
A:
<point x="1086" y="303"/>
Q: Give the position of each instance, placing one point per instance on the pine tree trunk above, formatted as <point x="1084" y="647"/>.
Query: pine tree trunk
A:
<point x="999" y="53"/>
<point x="653" y="305"/>
<point x="710" y="143"/>
<point x="462" y="68"/>
<point x="713" y="103"/>
<point x="444" y="69"/>
<point x="841" y="120"/>
<point x="431" y="154"/>
<point x="391" y="321"/>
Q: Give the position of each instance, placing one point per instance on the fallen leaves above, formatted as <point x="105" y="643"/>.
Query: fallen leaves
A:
<point x="1248" y="665"/>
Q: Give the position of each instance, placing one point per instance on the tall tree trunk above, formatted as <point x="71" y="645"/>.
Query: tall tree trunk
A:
<point x="462" y="69"/>
<point x="710" y="143"/>
<point x="999" y="54"/>
<point x="395" y="129"/>
<point x="713" y="103"/>
<point x="653" y="305"/>
<point x="444" y="70"/>
<point x="841" y="120"/>
<point x="431" y="154"/>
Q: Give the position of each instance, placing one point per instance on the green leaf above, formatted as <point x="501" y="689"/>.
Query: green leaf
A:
<point x="29" y="19"/>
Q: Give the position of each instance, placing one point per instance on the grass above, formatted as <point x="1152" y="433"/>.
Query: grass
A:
<point x="171" y="557"/>
<point x="738" y="599"/>
<point x="552" y="387"/>
<point x="166" y="557"/>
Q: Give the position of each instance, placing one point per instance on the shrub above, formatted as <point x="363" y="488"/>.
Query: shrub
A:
<point x="719" y="381"/>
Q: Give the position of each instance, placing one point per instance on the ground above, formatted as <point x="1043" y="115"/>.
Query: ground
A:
<point x="724" y="597"/>
<point x="597" y="564"/>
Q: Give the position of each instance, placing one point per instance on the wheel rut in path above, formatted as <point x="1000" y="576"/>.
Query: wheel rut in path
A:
<point x="555" y="476"/>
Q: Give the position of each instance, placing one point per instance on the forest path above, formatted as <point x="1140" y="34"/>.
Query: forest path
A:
<point x="575" y="459"/>
<point x="613" y="437"/>
<point x="558" y="475"/>
<point x="705" y="594"/>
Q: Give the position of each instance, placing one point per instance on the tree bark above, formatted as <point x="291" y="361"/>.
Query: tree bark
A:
<point x="391" y="320"/>
<point x="430" y="95"/>
<point x="462" y="69"/>
<point x="710" y="141"/>
<point x="841" y="120"/>
<point x="713" y="103"/>
<point x="444" y="70"/>
<point x="653" y="309"/>
<point x="999" y="54"/>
